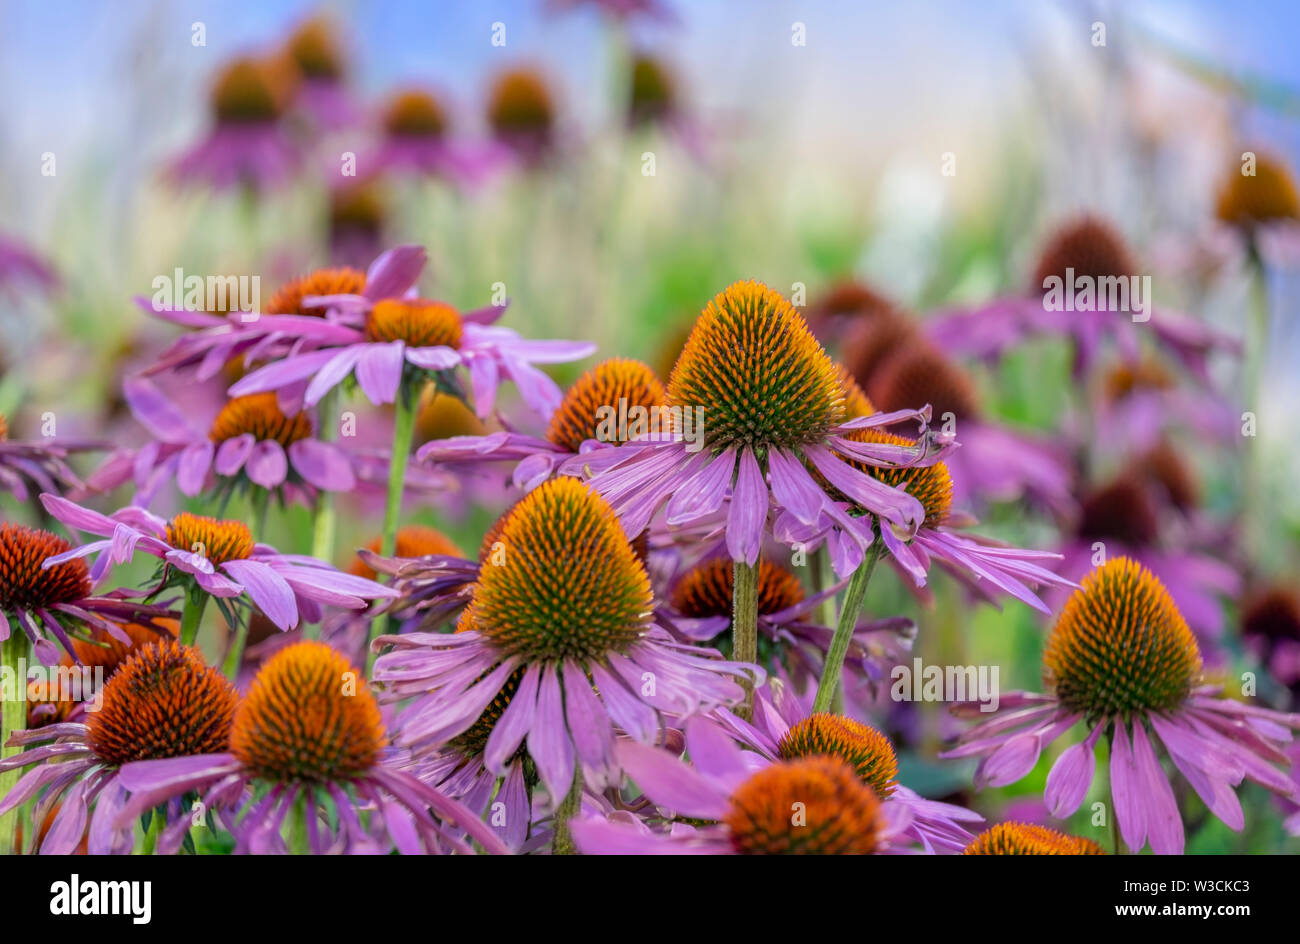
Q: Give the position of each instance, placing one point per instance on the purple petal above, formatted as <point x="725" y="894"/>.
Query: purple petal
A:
<point x="322" y="464"/>
<point x="267" y="589"/>
<point x="267" y="465"/>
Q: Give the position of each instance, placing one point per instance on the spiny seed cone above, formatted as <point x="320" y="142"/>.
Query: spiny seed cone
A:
<point x="102" y="649"/>
<point x="1272" y="613"/>
<point x="653" y="94"/>
<point x="520" y="103"/>
<point x="414" y="113"/>
<point x="260" y="415"/>
<point x="1029" y="839"/>
<point x="578" y="417"/>
<point x="871" y="344"/>
<point x="570" y="585"/>
<point x="705" y="590"/>
<point x="442" y="416"/>
<point x="308" y="717"/>
<point x="418" y="322"/>
<point x="1090" y="247"/>
<point x="930" y="485"/>
<point x="813" y="806"/>
<point x="856" y="402"/>
<point x="413" y="540"/>
<point x="1125" y="379"/>
<point x="340" y="281"/>
<point x="1121" y="511"/>
<point x="23" y="584"/>
<point x="760" y="375"/>
<point x="1120" y="647"/>
<point x="314" y="48"/>
<point x="216" y="539"/>
<point x="162" y="702"/>
<point x="919" y="375"/>
<point x="252" y="90"/>
<point x="1268" y="196"/>
<point x="1165" y="467"/>
<point x="865" y="749"/>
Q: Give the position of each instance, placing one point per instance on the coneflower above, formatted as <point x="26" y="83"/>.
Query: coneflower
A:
<point x="773" y="433"/>
<point x="1029" y="839"/>
<point x="565" y="615"/>
<point x="45" y="609"/>
<point x="521" y="113"/>
<point x="1089" y="247"/>
<point x="785" y="730"/>
<point x="415" y="127"/>
<point x="587" y="418"/>
<point x="315" y="49"/>
<point x="1122" y="661"/>
<point x="308" y="749"/>
<point x="249" y="445"/>
<point x="394" y="346"/>
<point x="742" y="811"/>
<point x="247" y="145"/>
<point x="163" y="702"/>
<point x="213" y="558"/>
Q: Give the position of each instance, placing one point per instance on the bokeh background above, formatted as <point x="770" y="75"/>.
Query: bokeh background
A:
<point x="800" y="165"/>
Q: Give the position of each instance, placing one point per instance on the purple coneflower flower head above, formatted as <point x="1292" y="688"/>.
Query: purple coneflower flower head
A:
<point x="791" y="644"/>
<point x="163" y="702"/>
<point x="897" y="367"/>
<point x="308" y="747"/>
<point x="358" y="215"/>
<point x="977" y="562"/>
<point x="247" y="144"/>
<point x="245" y="338"/>
<point x="321" y="92"/>
<point x="41" y="466"/>
<point x="784" y="730"/>
<point x="766" y="409"/>
<point x="562" y="623"/>
<point x="747" y="802"/>
<point x="521" y="114"/>
<point x="219" y="556"/>
<point x="55" y="605"/>
<point x="587" y="418"/>
<point x="250" y="440"/>
<point x="1015" y="838"/>
<point x="1122" y="661"/>
<point x="416" y="138"/>
<point x="1139" y="402"/>
<point x="1087" y="249"/>
<point x="382" y="341"/>
<point x="1262" y="207"/>
<point x="1126" y="517"/>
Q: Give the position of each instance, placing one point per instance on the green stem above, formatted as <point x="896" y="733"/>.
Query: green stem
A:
<point x="744" y="625"/>
<point x="235" y="653"/>
<point x="195" y="603"/>
<point x="323" y="528"/>
<point x="299" y="838"/>
<point x="260" y="499"/>
<point x="848" y="621"/>
<point x="403" y="431"/>
<point x="13" y="718"/>
<point x="1254" y="485"/>
<point x="562" y="841"/>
